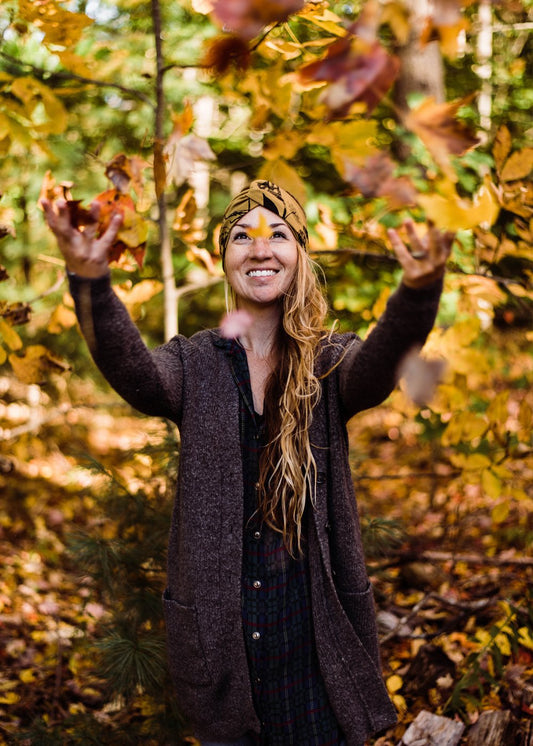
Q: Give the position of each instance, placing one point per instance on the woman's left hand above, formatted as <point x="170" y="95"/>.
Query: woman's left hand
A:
<point x="426" y="261"/>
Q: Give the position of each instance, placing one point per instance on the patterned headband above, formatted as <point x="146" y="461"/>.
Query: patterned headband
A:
<point x="271" y="197"/>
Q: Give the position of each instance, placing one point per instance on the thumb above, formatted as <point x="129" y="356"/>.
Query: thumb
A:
<point x="107" y="239"/>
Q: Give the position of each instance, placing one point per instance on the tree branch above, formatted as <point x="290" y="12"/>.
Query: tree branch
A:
<point x="47" y="77"/>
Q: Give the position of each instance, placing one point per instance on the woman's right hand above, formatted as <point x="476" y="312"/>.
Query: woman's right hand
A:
<point x="85" y="255"/>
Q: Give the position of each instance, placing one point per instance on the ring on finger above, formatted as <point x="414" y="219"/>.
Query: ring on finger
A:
<point x="419" y="254"/>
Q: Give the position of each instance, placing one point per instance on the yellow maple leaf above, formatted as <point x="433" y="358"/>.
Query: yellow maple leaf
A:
<point x="263" y="229"/>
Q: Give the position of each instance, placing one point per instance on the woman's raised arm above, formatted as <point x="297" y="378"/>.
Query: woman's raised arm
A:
<point x="370" y="370"/>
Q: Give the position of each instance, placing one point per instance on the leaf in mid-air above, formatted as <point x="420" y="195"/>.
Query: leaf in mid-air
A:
<point x="441" y="132"/>
<point x="248" y="17"/>
<point x="356" y="70"/>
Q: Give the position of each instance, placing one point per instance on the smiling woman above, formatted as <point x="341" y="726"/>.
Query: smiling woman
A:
<point x="260" y="259"/>
<point x="270" y="618"/>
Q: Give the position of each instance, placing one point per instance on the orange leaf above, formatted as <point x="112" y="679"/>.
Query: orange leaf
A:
<point x="263" y="229"/>
<point x="133" y="232"/>
<point x="440" y="131"/>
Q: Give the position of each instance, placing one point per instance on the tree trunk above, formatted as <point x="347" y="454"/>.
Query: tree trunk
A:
<point x="484" y="69"/>
<point x="422" y="68"/>
<point x="169" y="282"/>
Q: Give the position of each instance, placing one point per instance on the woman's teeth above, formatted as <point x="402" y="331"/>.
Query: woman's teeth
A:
<point x="261" y="272"/>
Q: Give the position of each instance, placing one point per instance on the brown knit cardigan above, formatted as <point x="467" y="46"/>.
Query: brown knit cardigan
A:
<point x="189" y="382"/>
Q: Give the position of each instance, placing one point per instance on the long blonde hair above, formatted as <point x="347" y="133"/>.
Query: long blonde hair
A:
<point x="287" y="469"/>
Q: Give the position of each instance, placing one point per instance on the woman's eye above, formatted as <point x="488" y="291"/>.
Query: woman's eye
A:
<point x="241" y="236"/>
<point x="279" y="234"/>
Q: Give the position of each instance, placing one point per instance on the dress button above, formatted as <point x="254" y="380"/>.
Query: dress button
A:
<point x="257" y="535"/>
<point x="256" y="635"/>
<point x="257" y="584"/>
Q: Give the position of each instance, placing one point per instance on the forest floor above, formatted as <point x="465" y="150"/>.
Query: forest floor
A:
<point x="453" y="588"/>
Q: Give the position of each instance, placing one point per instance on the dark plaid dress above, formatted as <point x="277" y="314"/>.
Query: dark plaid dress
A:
<point x="289" y="693"/>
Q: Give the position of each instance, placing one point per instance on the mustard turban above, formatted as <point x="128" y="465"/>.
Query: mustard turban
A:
<point x="271" y="197"/>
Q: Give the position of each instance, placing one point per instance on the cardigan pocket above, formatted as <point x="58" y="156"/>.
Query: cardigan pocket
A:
<point x="186" y="656"/>
<point x="361" y="611"/>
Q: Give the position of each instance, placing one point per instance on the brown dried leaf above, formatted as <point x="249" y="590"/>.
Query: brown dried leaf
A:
<point x="443" y="135"/>
<point x="357" y="70"/>
<point x="126" y="172"/>
<point x="376" y="179"/>
<point x="248" y="17"/>
<point x="225" y="52"/>
<point x="421" y="376"/>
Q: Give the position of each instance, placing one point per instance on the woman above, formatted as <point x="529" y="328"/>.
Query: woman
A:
<point x="269" y="612"/>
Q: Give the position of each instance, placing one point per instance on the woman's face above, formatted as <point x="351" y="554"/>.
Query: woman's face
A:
<point x="261" y="258"/>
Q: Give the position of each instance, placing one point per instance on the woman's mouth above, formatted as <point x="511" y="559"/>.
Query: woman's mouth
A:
<point x="262" y="272"/>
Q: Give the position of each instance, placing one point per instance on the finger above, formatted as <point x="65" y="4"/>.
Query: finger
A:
<point x="108" y="238"/>
<point x="441" y="242"/>
<point x="48" y="211"/>
<point x="403" y="254"/>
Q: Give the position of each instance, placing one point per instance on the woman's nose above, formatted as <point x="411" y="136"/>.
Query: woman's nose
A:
<point x="260" y="247"/>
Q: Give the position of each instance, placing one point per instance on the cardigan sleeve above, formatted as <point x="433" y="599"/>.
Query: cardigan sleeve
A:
<point x="368" y="371"/>
<point x="149" y="380"/>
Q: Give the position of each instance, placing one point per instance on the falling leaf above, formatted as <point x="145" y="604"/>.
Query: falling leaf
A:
<point x="421" y="376"/>
<point x="235" y="324"/>
<point x="225" y="52"/>
<point x="183" y="154"/>
<point x="263" y="229"/>
<point x="126" y="172"/>
<point x="440" y="131"/>
<point x="356" y="70"/>
<point x="375" y="179"/>
<point x="247" y="18"/>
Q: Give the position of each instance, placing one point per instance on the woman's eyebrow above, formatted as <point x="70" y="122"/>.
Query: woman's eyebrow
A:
<point x="270" y="225"/>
